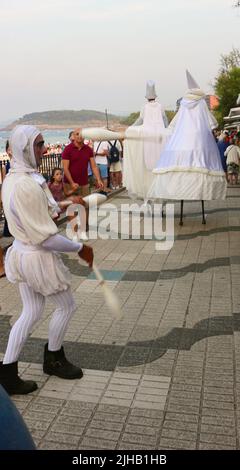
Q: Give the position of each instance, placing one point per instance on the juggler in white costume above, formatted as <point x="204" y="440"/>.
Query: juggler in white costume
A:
<point x="34" y="263"/>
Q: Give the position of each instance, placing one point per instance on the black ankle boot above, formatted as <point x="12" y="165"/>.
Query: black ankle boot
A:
<point x="11" y="381"/>
<point x="55" y="363"/>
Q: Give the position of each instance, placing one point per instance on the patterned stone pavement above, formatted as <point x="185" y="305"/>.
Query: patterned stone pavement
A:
<point x="167" y="374"/>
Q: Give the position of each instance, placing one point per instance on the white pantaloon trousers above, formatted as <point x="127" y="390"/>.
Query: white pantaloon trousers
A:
<point x="33" y="306"/>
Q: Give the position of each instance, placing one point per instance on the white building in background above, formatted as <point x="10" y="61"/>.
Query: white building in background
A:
<point x="232" y="121"/>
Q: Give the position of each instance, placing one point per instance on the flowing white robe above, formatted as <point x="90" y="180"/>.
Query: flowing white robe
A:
<point x="141" y="156"/>
<point x="153" y="125"/>
<point x="190" y="165"/>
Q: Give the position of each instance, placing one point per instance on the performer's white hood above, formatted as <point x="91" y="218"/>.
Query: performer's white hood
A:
<point x="21" y="142"/>
<point x="23" y="159"/>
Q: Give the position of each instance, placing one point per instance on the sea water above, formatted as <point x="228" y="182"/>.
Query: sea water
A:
<point x="51" y="136"/>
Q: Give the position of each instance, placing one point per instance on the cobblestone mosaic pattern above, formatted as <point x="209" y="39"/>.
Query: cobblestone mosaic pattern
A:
<point x="165" y="376"/>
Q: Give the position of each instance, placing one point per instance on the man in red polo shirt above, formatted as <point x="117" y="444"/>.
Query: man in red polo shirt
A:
<point x="76" y="157"/>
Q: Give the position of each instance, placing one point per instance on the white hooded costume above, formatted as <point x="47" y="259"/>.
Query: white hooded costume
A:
<point x="27" y="205"/>
<point x="190" y="166"/>
<point x="32" y="260"/>
<point x="141" y="156"/>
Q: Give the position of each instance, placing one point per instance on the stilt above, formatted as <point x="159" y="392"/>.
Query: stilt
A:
<point x="203" y="214"/>
<point x="181" y="214"/>
<point x="163" y="208"/>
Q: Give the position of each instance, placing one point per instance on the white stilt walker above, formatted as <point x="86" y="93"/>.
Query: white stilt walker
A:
<point x="141" y="155"/>
<point x="190" y="166"/>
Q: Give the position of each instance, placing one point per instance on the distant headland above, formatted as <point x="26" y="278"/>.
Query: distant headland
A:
<point x="63" y="119"/>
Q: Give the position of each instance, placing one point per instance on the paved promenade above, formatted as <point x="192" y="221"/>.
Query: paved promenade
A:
<point x="165" y="376"/>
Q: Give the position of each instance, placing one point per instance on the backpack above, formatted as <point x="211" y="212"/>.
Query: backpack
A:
<point x="114" y="153"/>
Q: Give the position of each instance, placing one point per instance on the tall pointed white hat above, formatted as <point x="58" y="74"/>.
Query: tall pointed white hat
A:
<point x="150" y="90"/>
<point x="193" y="86"/>
<point x="190" y="81"/>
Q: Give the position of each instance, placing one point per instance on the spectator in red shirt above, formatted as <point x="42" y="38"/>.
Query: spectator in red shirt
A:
<point x="76" y="157"/>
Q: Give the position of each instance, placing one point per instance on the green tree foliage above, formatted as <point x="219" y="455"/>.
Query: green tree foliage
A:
<point x="170" y="114"/>
<point x="227" y="84"/>
<point x="229" y="61"/>
<point x="129" y="120"/>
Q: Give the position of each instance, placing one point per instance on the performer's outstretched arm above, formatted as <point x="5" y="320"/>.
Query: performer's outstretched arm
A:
<point x="61" y="244"/>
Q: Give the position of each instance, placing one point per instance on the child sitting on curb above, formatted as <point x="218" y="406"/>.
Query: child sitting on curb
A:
<point x="61" y="194"/>
<point x="58" y="188"/>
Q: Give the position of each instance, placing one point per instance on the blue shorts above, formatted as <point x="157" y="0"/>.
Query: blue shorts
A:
<point x="103" y="170"/>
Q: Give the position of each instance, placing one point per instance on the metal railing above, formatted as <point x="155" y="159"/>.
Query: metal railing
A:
<point x="48" y="162"/>
<point x="3" y="165"/>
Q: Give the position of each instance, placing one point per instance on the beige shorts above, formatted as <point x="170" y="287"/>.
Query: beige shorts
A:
<point x="115" y="167"/>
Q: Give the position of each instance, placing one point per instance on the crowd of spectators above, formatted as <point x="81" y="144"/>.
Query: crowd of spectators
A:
<point x="109" y="174"/>
<point x="229" y="148"/>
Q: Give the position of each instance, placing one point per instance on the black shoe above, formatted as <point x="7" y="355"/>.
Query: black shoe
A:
<point x="55" y="363"/>
<point x="11" y="381"/>
<point x="105" y="193"/>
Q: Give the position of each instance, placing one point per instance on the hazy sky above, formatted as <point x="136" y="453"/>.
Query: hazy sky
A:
<point x="97" y="54"/>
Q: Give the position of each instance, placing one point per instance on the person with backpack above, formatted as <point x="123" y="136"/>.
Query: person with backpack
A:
<point x="114" y="158"/>
<point x="101" y="159"/>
